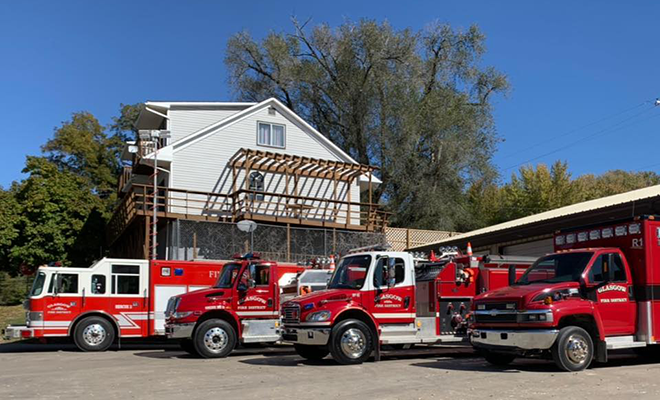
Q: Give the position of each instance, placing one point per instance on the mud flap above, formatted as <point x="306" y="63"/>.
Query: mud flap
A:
<point x="377" y="351"/>
<point x="601" y="351"/>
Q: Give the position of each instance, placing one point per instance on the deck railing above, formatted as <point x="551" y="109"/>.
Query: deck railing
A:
<point x="246" y="204"/>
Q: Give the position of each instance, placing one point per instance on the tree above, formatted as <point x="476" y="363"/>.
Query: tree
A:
<point x="9" y="218"/>
<point x="124" y="126"/>
<point x="60" y="217"/>
<point x="415" y="104"/>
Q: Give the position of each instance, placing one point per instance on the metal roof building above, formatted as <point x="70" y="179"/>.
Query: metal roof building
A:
<point x="532" y="235"/>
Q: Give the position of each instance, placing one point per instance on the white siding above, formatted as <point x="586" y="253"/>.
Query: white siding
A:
<point x="187" y="120"/>
<point x="202" y="166"/>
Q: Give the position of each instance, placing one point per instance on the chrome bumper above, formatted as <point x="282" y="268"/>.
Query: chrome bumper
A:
<point x="179" y="331"/>
<point x="309" y="336"/>
<point x="519" y="339"/>
<point x="17" y="332"/>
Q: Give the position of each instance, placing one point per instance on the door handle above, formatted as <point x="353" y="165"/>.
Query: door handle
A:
<point x="270" y="302"/>
<point x="406" y="302"/>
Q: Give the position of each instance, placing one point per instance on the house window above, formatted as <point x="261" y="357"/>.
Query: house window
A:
<point x="257" y="185"/>
<point x="272" y="135"/>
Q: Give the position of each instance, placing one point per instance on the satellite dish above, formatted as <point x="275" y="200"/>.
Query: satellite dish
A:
<point x="246" y="226"/>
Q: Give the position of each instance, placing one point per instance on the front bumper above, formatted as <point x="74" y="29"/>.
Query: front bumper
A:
<point x="514" y="339"/>
<point x="315" y="336"/>
<point x="18" y="332"/>
<point x="179" y="331"/>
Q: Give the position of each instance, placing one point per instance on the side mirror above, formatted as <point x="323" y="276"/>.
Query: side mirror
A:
<point x="56" y="284"/>
<point x="242" y="287"/>
<point x="252" y="283"/>
<point x="512" y="274"/>
<point x="608" y="271"/>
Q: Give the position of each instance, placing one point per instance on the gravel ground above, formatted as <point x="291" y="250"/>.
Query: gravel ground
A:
<point x="158" y="371"/>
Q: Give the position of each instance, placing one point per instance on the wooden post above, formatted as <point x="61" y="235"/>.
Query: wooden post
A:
<point x="334" y="241"/>
<point x="349" y="183"/>
<point x="407" y="238"/>
<point x="147" y="229"/>
<point x="288" y="242"/>
<point x="194" y="245"/>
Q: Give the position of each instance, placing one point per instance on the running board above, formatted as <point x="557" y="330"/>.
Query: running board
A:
<point x="622" y="342"/>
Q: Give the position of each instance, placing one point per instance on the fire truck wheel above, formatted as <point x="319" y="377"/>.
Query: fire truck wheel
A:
<point x="499" y="359"/>
<point x="573" y="350"/>
<point x="188" y="346"/>
<point x="94" y="334"/>
<point x="351" y="342"/>
<point x="311" y="352"/>
<point x="214" y="338"/>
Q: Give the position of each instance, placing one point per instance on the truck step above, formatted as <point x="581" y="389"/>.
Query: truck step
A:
<point x="398" y="330"/>
<point x="622" y="342"/>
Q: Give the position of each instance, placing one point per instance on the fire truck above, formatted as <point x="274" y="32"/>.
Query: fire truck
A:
<point x="597" y="292"/>
<point x="112" y="299"/>
<point x="242" y="307"/>
<point x="379" y="297"/>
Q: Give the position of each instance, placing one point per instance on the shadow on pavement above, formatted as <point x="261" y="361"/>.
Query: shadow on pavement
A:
<point x="176" y="352"/>
<point x="616" y="359"/>
<point x="63" y="344"/>
<point x="415" y="353"/>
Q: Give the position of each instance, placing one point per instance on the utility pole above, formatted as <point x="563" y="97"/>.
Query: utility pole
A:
<point x="154" y="136"/>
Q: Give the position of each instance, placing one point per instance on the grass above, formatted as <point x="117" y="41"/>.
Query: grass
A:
<point x="11" y="315"/>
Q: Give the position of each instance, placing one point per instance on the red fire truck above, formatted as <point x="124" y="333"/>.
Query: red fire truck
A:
<point x="597" y="292"/>
<point x="242" y="307"/>
<point x="383" y="297"/>
<point x="112" y="299"/>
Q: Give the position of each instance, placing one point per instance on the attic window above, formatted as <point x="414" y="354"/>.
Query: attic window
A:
<point x="271" y="135"/>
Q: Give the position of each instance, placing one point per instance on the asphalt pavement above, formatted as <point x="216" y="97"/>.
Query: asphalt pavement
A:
<point x="155" y="370"/>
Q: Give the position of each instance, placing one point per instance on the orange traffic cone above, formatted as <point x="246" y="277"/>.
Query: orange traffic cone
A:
<point x="332" y="262"/>
<point x="469" y="249"/>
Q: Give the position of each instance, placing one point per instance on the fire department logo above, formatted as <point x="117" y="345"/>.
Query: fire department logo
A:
<point x="612" y="288"/>
<point x="254" y="298"/>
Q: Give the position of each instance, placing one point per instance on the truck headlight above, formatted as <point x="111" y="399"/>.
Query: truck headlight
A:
<point x="318" y="316"/>
<point x="181" y="314"/>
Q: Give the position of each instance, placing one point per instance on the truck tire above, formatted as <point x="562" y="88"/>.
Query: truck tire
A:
<point x="214" y="338"/>
<point x="188" y="346"/>
<point x="499" y="359"/>
<point x="311" y="352"/>
<point x="94" y="334"/>
<point x="351" y="342"/>
<point x="573" y="350"/>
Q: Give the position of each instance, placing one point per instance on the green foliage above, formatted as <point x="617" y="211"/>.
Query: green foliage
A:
<point x="56" y="208"/>
<point x="59" y="212"/>
<point x="415" y="104"/>
<point x="13" y="290"/>
<point x="534" y="190"/>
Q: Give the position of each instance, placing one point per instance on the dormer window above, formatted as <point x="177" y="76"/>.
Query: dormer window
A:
<point x="272" y="135"/>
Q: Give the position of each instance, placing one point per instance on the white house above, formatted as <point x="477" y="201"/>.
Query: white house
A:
<point x="232" y="161"/>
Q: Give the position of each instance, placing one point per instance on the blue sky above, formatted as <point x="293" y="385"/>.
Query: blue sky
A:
<point x="570" y="64"/>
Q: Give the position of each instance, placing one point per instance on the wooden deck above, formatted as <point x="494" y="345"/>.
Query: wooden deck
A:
<point x="266" y="207"/>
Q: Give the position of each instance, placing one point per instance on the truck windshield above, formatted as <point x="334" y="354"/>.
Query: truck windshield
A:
<point x="228" y="276"/>
<point x="555" y="268"/>
<point x="350" y="273"/>
<point x="38" y="284"/>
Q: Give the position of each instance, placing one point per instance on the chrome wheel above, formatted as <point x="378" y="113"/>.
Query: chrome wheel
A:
<point x="577" y="349"/>
<point x="353" y="343"/>
<point x="216" y="339"/>
<point x="94" y="334"/>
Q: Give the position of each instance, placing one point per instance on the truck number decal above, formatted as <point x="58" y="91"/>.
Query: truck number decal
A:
<point x="638" y="243"/>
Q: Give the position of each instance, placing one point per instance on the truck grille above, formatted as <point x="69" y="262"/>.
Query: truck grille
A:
<point x="509" y="306"/>
<point x="501" y="318"/>
<point x="291" y="314"/>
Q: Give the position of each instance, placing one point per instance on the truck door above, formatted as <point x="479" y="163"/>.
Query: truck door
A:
<point x="128" y="298"/>
<point x="256" y="292"/>
<point x="614" y="300"/>
<point x="64" y="302"/>
<point x="393" y="300"/>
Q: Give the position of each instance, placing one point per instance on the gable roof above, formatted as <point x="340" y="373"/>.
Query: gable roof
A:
<point x="241" y="115"/>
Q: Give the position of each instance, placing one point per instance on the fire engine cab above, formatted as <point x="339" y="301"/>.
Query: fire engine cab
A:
<point x="114" y="298"/>
<point x="597" y="292"/>
<point x="376" y="296"/>
<point x="242" y="307"/>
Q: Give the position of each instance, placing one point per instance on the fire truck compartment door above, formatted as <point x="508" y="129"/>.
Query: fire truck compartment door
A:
<point x="162" y="295"/>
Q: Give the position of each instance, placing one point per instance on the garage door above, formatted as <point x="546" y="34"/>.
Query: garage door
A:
<point x="536" y="248"/>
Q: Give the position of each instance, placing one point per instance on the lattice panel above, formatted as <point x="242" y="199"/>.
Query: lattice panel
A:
<point x="404" y="238"/>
